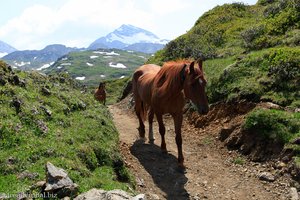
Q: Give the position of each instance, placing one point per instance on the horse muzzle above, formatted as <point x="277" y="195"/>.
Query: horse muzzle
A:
<point x="202" y="110"/>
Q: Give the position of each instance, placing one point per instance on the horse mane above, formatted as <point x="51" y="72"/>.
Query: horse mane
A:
<point x="180" y="61"/>
<point x="169" y="76"/>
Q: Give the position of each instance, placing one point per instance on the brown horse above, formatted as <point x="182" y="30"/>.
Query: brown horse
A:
<point x="100" y="93"/>
<point x="163" y="90"/>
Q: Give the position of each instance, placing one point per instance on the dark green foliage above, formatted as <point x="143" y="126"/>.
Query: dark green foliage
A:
<point x="284" y="69"/>
<point x="251" y="37"/>
<point x="275" y="125"/>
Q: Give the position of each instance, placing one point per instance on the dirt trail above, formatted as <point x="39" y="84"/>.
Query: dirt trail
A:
<point x="212" y="170"/>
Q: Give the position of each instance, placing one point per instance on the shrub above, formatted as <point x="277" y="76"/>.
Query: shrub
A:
<point x="265" y="2"/>
<point x="251" y="35"/>
<point x="284" y="68"/>
<point x="279" y="126"/>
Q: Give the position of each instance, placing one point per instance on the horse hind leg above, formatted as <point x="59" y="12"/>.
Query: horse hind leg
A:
<point x="139" y="113"/>
<point x="150" y="118"/>
<point x="162" y="131"/>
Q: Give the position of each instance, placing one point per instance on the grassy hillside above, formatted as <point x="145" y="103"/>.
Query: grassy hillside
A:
<point x="54" y="119"/>
<point x="233" y="29"/>
<point x="96" y="66"/>
<point x="251" y="53"/>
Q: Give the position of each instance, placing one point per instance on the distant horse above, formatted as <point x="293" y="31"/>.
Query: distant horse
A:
<point x="100" y="93"/>
<point x="163" y="90"/>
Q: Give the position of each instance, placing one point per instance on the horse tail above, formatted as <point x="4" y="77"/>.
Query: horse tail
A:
<point x="140" y="107"/>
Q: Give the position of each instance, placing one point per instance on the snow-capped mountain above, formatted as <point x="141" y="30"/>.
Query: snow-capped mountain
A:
<point x="37" y="59"/>
<point x="5" y="49"/>
<point x="128" y="36"/>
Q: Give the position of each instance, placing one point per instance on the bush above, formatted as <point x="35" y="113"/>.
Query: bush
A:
<point x="265" y="2"/>
<point x="279" y="126"/>
<point x="284" y="69"/>
<point x="250" y="36"/>
<point x="284" y="18"/>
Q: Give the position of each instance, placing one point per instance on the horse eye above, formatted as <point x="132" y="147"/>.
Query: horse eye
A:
<point x="200" y="81"/>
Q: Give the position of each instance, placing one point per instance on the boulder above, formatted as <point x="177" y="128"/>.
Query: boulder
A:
<point x="59" y="183"/>
<point x="98" y="194"/>
<point x="266" y="176"/>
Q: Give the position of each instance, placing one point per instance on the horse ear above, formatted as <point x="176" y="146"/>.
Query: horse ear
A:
<point x="192" y="70"/>
<point x="200" y="63"/>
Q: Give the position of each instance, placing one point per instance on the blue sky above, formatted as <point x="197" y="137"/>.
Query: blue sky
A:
<point x="33" y="24"/>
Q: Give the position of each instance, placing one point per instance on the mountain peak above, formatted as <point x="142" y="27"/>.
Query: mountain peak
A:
<point x="127" y="35"/>
<point x="130" y="30"/>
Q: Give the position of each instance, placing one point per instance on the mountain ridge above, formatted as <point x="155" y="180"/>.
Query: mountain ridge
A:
<point x="6" y="49"/>
<point x="36" y="59"/>
<point x="127" y="35"/>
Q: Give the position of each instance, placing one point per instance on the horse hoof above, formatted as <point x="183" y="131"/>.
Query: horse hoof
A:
<point x="142" y="139"/>
<point x="181" y="168"/>
<point x="151" y="141"/>
<point x="164" y="151"/>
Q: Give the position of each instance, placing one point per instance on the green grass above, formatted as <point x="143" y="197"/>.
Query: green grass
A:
<point x="269" y="75"/>
<point x="115" y="88"/>
<point x="280" y="126"/>
<point x="276" y="125"/>
<point x="239" y="161"/>
<point x="101" y="70"/>
<point x="235" y="29"/>
<point x="66" y="127"/>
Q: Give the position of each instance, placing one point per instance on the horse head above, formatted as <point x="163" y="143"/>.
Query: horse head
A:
<point x="194" y="86"/>
<point x="101" y="85"/>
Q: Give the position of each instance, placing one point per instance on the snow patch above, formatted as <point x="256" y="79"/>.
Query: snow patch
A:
<point x="136" y="38"/>
<point x="118" y="65"/>
<point x="122" y="77"/>
<point x="107" y="53"/>
<point x="102" y="76"/>
<point x="66" y="64"/>
<point x="81" y="78"/>
<point x="45" y="66"/>
<point x="2" y="54"/>
<point x="64" y="59"/>
<point x="92" y="57"/>
<point x="22" y="63"/>
<point x="59" y="67"/>
<point x="89" y="64"/>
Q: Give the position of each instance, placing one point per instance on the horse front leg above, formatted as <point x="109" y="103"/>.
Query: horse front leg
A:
<point x="150" y="118"/>
<point x="178" y="123"/>
<point x="162" y="131"/>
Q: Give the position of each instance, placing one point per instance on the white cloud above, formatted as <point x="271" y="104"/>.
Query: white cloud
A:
<point x="79" y="22"/>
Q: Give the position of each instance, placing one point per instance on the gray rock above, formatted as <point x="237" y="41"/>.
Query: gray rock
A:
<point x="266" y="176"/>
<point x="27" y="175"/>
<point x="294" y="194"/>
<point x="47" y="111"/>
<point x="42" y="126"/>
<point x="2" y="80"/>
<point x="58" y="182"/>
<point x="45" y="91"/>
<point x="98" y="194"/>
